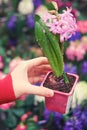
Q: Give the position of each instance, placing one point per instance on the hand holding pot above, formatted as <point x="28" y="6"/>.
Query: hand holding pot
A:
<point x="28" y="73"/>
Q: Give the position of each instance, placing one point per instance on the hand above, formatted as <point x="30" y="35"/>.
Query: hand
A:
<point x="28" y="73"/>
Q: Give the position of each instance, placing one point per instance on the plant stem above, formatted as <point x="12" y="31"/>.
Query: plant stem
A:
<point x="65" y="78"/>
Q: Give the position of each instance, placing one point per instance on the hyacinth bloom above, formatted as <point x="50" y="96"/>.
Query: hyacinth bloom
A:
<point x="63" y="24"/>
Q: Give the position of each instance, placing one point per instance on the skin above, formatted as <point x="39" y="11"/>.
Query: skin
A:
<point x="27" y="74"/>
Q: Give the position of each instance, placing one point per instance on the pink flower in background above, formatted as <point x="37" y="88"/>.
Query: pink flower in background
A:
<point x="60" y="3"/>
<point x="41" y="10"/>
<point x="76" y="50"/>
<point x="1" y="62"/>
<point x="23" y="97"/>
<point x="82" y="26"/>
<point x="25" y="116"/>
<point x="70" y="52"/>
<point x="80" y="53"/>
<point x="65" y="25"/>
<point x="84" y="42"/>
<point x="7" y="105"/>
<point x="21" y="127"/>
<point x="35" y="117"/>
<point x="14" y="63"/>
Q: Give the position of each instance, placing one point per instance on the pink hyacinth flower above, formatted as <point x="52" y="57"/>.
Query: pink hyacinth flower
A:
<point x="65" y="25"/>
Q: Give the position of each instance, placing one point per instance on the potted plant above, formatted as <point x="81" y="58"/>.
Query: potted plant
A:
<point x="51" y="31"/>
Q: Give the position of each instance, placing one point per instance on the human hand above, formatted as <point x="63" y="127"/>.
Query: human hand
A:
<point x="28" y="73"/>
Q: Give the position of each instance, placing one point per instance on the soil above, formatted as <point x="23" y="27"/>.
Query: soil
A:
<point x="58" y="83"/>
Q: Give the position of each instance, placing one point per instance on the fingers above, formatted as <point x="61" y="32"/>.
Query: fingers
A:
<point x="41" y="91"/>
<point x="37" y="79"/>
<point x="46" y="67"/>
<point x="39" y="70"/>
<point x="38" y="61"/>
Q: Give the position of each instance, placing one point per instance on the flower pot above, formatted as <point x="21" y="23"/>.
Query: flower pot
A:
<point x="61" y="101"/>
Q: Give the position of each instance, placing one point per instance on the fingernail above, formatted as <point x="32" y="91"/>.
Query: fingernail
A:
<point x="50" y="93"/>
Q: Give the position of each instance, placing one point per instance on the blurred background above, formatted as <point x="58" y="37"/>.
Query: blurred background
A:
<point x="17" y="42"/>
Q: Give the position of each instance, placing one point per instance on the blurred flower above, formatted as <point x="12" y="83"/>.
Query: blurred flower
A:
<point x="70" y="68"/>
<point x="60" y="3"/>
<point x="13" y="41"/>
<point x="11" y="23"/>
<point x="73" y="124"/>
<point x="25" y="116"/>
<point x="47" y="114"/>
<point x="14" y="62"/>
<point x="1" y="65"/>
<point x="21" y="127"/>
<point x="82" y="26"/>
<point x="30" y="21"/>
<point x="37" y="3"/>
<point x="41" y="10"/>
<point x="84" y="67"/>
<point x="80" y="114"/>
<point x="5" y="1"/>
<point x="26" y="7"/>
<point x="76" y="51"/>
<point x="80" y="93"/>
<point x="23" y="97"/>
<point x="84" y="42"/>
<point x="1" y="58"/>
<point x="38" y="99"/>
<point x="7" y="105"/>
<point x="76" y="36"/>
<point x="35" y="118"/>
<point x="59" y="121"/>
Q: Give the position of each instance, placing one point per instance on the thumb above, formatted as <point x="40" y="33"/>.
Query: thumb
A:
<point x="40" y="90"/>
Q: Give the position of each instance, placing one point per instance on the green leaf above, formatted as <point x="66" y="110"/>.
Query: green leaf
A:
<point x="11" y="120"/>
<point x="50" y="46"/>
<point x="18" y="111"/>
<point x="37" y="17"/>
<point x="19" y="103"/>
<point x="2" y="51"/>
<point x="15" y="4"/>
<point x="45" y="45"/>
<point x="29" y="100"/>
<point x="33" y="126"/>
<point x="50" y="6"/>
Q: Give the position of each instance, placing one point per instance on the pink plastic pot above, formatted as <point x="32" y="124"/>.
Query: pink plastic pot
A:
<point x="61" y="101"/>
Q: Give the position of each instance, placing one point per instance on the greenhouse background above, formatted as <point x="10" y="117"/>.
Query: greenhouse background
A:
<point x="17" y="43"/>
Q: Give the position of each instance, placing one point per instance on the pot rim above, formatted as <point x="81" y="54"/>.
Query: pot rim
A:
<point x="59" y="92"/>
